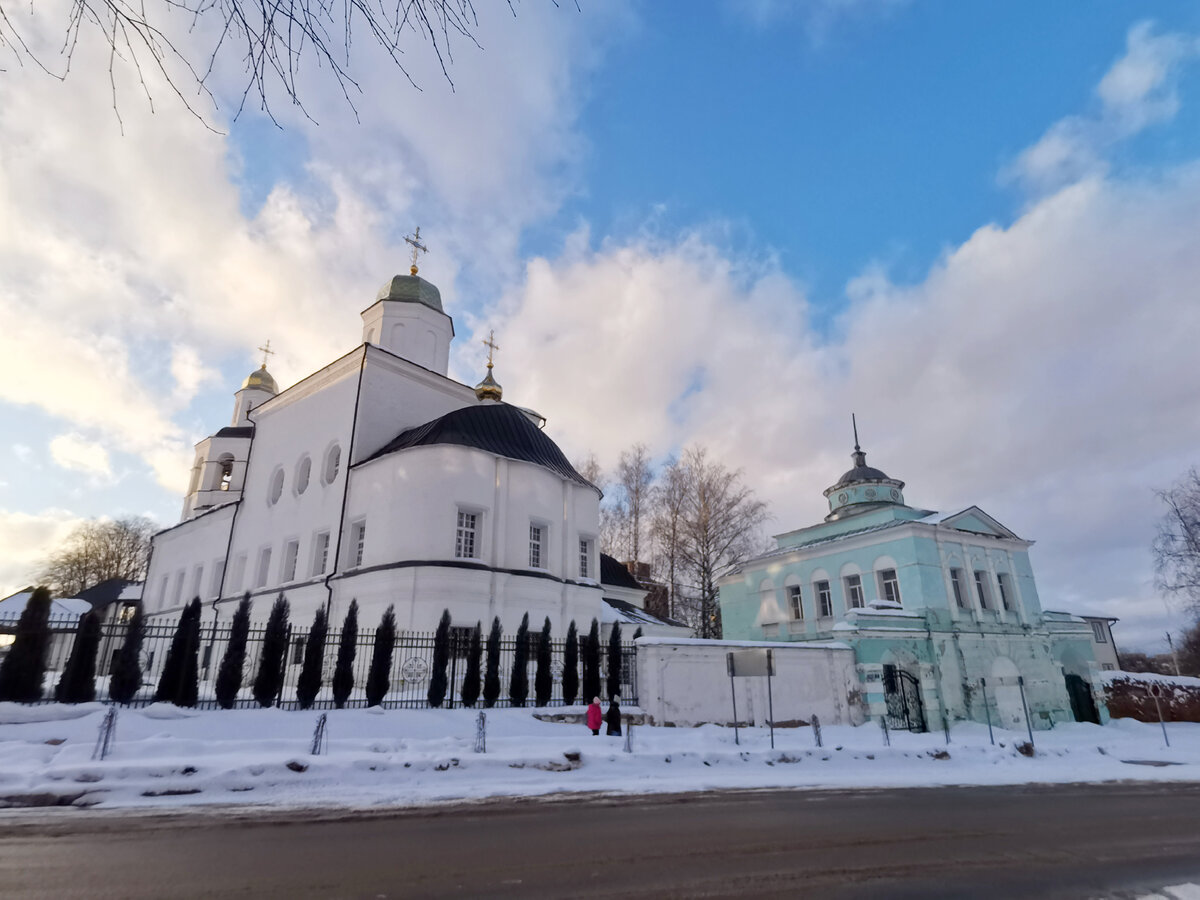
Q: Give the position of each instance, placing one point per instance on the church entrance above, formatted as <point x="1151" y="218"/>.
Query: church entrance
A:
<point x="902" y="691"/>
<point x="1083" y="704"/>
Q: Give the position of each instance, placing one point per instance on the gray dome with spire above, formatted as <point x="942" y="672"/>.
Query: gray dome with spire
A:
<point x="411" y="289"/>
<point x="863" y="488"/>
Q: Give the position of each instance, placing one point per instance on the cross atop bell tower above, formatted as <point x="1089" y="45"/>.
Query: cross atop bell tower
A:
<point x="417" y="247"/>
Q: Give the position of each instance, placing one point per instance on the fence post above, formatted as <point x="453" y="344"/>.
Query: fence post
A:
<point x="1025" y="707"/>
<point x="481" y="732"/>
<point x="318" y="741"/>
<point x="1155" y="690"/>
<point x="107" y="735"/>
<point x="816" y="727"/>
<point x="987" y="710"/>
<point x="887" y="738"/>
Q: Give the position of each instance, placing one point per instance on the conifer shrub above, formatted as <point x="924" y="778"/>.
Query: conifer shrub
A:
<point x="470" y="685"/>
<point x="637" y="634"/>
<point x="233" y="663"/>
<point x="189" y="672"/>
<point x="380" y="673"/>
<point x="343" y="669"/>
<point x="614" y="661"/>
<point x="570" y="676"/>
<point x="591" y="663"/>
<point x="269" y="680"/>
<point x="125" y="679"/>
<point x="441" y="657"/>
<point x="78" y="681"/>
<point x="24" y="668"/>
<point x="518" y="681"/>
<point x="184" y="642"/>
<point x="309" y="683"/>
<point x="543" y="680"/>
<point x="491" y="678"/>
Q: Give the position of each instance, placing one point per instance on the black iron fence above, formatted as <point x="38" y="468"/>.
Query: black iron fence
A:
<point x="409" y="675"/>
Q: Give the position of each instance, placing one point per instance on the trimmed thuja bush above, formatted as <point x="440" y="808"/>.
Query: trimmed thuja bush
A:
<point x="614" y="661"/>
<point x="491" y="679"/>
<point x="591" y="663"/>
<point x="314" y="661"/>
<point x="379" y="677"/>
<point x="570" y="676"/>
<point x="543" y="681"/>
<point x="269" y="680"/>
<point x="233" y="663"/>
<point x="126" y="677"/>
<point x="179" y="681"/>
<point x="637" y="634"/>
<point x="441" y="656"/>
<point x="470" y="685"/>
<point x="343" y="669"/>
<point x="24" y="667"/>
<point x="518" y="680"/>
<point x="78" y="681"/>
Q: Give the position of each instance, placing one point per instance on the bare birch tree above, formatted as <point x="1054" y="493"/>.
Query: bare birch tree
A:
<point x="665" y="528"/>
<point x="96" y="551"/>
<point x="1177" y="544"/>
<point x="719" y="527"/>
<point x="635" y="478"/>
<point x="610" y="524"/>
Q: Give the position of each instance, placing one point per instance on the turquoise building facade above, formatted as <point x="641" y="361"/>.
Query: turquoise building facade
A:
<point x="942" y="610"/>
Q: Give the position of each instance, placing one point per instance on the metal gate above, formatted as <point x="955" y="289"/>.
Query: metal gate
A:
<point x="1083" y="704"/>
<point x="902" y="691"/>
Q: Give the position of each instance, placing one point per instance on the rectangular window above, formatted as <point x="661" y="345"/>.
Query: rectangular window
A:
<point x="460" y="641"/>
<point x="238" y="573"/>
<point x="320" y="557"/>
<point x="1005" y="590"/>
<point x="464" y="539"/>
<point x="981" y="589"/>
<point x="536" y="536"/>
<point x="197" y="581"/>
<point x="854" y="591"/>
<point x="264" y="567"/>
<point x="824" y="599"/>
<point x="358" y="542"/>
<point x="297" y="650"/>
<point x="291" y="550"/>
<point x="889" y="586"/>
<point x="178" y="598"/>
<point x="1098" y="633"/>
<point x="162" y="594"/>
<point x="1108" y="667"/>
<point x="956" y="584"/>
<point x="585" y="558"/>
<point x="794" y="601"/>
<point x="218" y="571"/>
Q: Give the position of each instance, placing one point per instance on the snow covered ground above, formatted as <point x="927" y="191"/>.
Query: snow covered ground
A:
<point x="169" y="757"/>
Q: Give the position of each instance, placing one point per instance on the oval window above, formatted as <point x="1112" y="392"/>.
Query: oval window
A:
<point x="303" y="470"/>
<point x="276" y="490"/>
<point x="333" y="461"/>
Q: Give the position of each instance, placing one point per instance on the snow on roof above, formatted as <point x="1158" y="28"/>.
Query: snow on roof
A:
<point x="1150" y="678"/>
<point x="12" y="606"/>
<point x="626" y="613"/>
<point x="771" y="645"/>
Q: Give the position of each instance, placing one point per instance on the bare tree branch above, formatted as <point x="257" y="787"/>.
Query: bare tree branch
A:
<point x="1177" y="544"/>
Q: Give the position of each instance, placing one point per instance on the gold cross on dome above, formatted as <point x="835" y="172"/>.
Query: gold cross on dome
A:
<point x="417" y="247"/>
<point x="491" y="344"/>
<point x="266" y="351"/>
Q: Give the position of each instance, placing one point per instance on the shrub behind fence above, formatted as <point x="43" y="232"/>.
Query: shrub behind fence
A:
<point x="412" y="664"/>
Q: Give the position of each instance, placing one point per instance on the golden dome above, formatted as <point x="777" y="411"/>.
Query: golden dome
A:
<point x="262" y="380"/>
<point x="489" y="389"/>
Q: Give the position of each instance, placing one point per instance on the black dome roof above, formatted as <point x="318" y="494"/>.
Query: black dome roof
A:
<point x="862" y="473"/>
<point x="495" y="428"/>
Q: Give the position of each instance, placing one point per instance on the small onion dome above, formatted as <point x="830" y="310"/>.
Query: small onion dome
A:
<point x="262" y="380"/>
<point x="489" y="389"/>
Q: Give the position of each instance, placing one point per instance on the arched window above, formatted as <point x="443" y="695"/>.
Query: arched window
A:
<point x="276" y="489"/>
<point x="226" y="464"/>
<point x="303" y="471"/>
<point x="333" y="462"/>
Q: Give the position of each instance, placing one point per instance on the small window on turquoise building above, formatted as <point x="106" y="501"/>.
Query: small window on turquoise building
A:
<point x="794" y="601"/>
<point x="824" y="599"/>
<point x="889" y="586"/>
<point x="854" y="591"/>
<point x="1005" y="590"/>
<point x="956" y="584"/>
<point x="981" y="589"/>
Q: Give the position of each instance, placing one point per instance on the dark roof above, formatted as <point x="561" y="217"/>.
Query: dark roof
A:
<point x="612" y="572"/>
<point x="493" y="427"/>
<point x="635" y="614"/>
<point x="862" y="473"/>
<point x="236" y="431"/>
<point x="106" y="592"/>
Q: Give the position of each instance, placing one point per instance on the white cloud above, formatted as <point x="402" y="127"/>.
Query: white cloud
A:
<point x="27" y="539"/>
<point x="1139" y="90"/>
<point x="78" y="454"/>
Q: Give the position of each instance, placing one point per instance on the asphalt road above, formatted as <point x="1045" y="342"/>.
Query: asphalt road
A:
<point x="1072" y="841"/>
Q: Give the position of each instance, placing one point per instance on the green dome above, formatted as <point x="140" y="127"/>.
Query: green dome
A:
<point x="411" y="289"/>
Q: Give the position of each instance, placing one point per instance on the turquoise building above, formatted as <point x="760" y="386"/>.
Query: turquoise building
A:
<point x="942" y="610"/>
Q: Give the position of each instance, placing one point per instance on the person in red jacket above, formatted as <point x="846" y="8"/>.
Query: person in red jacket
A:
<point x="594" y="716"/>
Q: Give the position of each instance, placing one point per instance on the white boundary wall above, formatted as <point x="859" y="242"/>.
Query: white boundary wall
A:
<point x="685" y="682"/>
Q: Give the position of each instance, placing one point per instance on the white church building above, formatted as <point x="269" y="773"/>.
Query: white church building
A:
<point x="381" y="479"/>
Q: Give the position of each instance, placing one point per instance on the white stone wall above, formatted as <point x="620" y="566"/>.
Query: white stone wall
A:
<point x="685" y="682"/>
<point x="178" y="552"/>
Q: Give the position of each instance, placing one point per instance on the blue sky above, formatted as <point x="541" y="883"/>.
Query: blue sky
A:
<point x="973" y="223"/>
